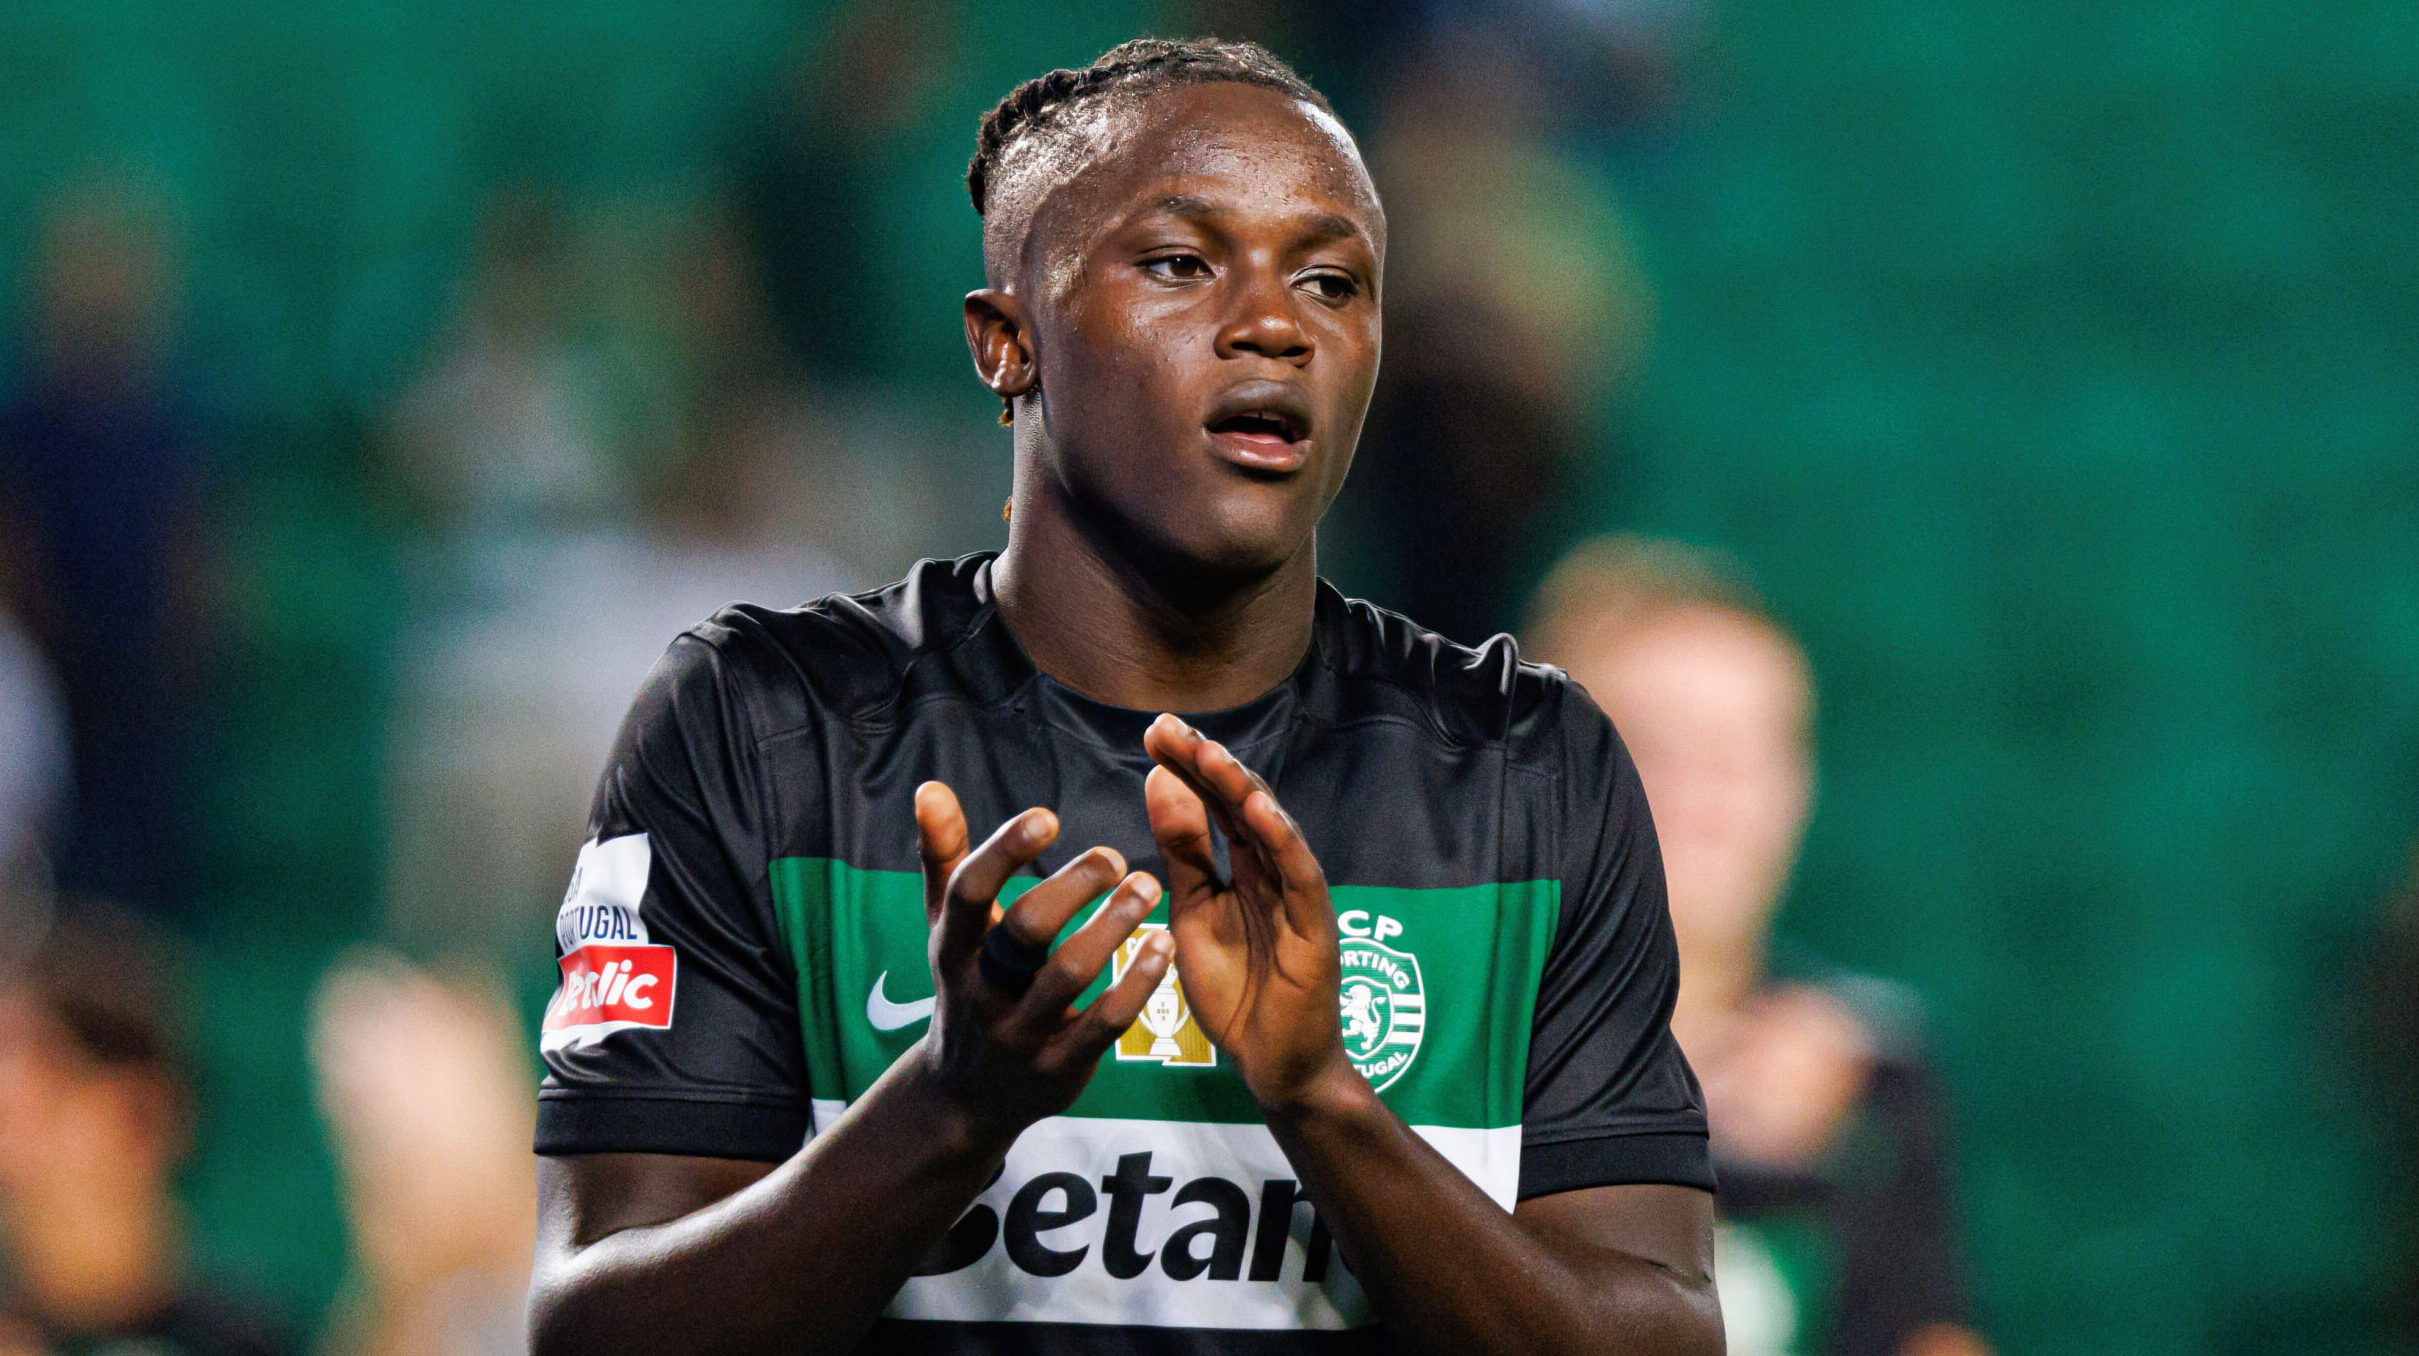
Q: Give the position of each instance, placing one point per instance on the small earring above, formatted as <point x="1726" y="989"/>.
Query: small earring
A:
<point x="1007" y="508"/>
<point x="1007" y="411"/>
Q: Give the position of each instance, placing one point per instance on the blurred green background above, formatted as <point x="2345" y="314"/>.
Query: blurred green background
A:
<point x="2051" y="365"/>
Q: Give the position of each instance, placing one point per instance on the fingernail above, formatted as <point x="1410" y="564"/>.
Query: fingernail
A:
<point x="1146" y="889"/>
<point x="1159" y="944"/>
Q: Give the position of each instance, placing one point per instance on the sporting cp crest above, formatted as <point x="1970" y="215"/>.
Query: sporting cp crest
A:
<point x="1166" y="1032"/>
<point x="1385" y="1009"/>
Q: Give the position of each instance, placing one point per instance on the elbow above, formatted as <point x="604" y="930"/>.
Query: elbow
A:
<point x="1692" y="1317"/>
<point x="566" y="1318"/>
<point x="1678" y="1314"/>
<point x="552" y="1317"/>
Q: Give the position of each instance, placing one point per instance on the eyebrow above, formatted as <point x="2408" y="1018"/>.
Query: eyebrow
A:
<point x="1324" y="227"/>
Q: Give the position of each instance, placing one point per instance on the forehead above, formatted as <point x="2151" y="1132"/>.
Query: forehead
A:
<point x="1693" y="659"/>
<point x="1279" y="145"/>
<point x="1234" y="147"/>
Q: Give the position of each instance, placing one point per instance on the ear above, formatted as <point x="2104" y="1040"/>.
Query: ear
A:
<point x="996" y="334"/>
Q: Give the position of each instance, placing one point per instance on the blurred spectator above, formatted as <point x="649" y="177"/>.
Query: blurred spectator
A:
<point x="440" y="1188"/>
<point x="33" y="761"/>
<point x="95" y="1111"/>
<point x="1512" y="306"/>
<point x="508" y="431"/>
<point x="1838" y="1231"/>
<point x="550" y="581"/>
<point x="99" y="471"/>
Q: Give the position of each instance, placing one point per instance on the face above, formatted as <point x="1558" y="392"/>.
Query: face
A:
<point x="1199" y="306"/>
<point x="1714" y="709"/>
<point x="67" y="1121"/>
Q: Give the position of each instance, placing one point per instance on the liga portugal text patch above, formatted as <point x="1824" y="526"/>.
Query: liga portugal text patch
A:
<point x="613" y="978"/>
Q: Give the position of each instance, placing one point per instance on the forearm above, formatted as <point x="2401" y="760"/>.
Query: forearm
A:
<point x="802" y="1260"/>
<point x="1452" y="1271"/>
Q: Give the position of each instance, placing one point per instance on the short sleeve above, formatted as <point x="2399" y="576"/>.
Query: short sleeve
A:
<point x="675" y="1026"/>
<point x="1609" y="1098"/>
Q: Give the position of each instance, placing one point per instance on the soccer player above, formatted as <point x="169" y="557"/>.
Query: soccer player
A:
<point x="1333" y="1017"/>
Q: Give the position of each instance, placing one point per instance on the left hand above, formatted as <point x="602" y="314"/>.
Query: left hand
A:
<point x="1257" y="953"/>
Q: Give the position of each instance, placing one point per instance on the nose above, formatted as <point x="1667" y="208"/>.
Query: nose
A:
<point x="1263" y="320"/>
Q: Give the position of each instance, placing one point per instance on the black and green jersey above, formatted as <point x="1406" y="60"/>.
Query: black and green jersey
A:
<point x="743" y="948"/>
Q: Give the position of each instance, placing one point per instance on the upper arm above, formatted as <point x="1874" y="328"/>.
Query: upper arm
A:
<point x="676" y="1028"/>
<point x="1609" y="1099"/>
<point x="1668" y="1226"/>
<point x="1642" y="1254"/>
<point x="585" y="1197"/>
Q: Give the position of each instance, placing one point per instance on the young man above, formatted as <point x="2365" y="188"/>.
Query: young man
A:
<point x="1410" y="1075"/>
<point x="1839" y="1233"/>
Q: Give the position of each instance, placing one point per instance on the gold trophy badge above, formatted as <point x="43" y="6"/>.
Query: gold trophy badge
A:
<point x="1166" y="1032"/>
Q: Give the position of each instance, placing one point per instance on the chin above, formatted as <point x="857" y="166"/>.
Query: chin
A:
<point x="1210" y="555"/>
<point x="1249" y="537"/>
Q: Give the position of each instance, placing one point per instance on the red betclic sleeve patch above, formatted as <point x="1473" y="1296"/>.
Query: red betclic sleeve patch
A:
<point x="608" y="988"/>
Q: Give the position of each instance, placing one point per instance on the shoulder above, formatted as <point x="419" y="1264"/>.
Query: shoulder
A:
<point x="1387" y="666"/>
<point x="837" y="657"/>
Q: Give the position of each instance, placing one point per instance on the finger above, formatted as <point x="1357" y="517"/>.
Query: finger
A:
<point x="1041" y="913"/>
<point x="1099" y="1026"/>
<point x="977" y="878"/>
<point x="1237" y="786"/>
<point x="1304" y="881"/>
<point x="1080" y="959"/>
<point x="941" y="839"/>
<point x="1223" y="770"/>
<point x="1188" y="755"/>
<point x="1180" y="825"/>
<point x="1178" y="747"/>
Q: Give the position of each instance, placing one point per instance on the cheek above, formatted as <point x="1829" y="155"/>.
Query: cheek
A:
<point x="1122" y="378"/>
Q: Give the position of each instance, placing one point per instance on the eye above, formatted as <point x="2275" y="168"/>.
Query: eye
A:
<point x="1330" y="286"/>
<point x="1177" y="267"/>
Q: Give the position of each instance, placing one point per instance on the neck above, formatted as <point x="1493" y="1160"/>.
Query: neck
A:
<point x="1150" y="640"/>
<point x="94" y="1258"/>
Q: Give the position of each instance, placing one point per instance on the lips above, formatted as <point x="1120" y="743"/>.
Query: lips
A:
<point x="1261" y="426"/>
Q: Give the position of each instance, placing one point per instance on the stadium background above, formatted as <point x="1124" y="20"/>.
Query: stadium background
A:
<point x="2052" y="367"/>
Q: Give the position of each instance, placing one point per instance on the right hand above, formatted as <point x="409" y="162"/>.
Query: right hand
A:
<point x="1007" y="1060"/>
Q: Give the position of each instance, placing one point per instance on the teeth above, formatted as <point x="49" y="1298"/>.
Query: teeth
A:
<point x="1257" y="423"/>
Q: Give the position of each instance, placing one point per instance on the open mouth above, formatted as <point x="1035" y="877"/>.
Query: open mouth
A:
<point x="1260" y="426"/>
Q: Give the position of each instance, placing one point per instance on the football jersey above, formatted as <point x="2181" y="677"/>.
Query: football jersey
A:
<point x="743" y="949"/>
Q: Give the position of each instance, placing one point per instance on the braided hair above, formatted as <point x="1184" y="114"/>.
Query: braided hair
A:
<point x="1142" y="66"/>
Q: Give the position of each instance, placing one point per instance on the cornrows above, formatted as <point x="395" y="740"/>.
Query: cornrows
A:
<point x="1137" y="67"/>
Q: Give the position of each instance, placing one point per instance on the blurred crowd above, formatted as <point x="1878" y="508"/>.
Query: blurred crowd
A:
<point x="630" y="417"/>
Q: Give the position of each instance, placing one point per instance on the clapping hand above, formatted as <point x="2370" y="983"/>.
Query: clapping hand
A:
<point x="1257" y="951"/>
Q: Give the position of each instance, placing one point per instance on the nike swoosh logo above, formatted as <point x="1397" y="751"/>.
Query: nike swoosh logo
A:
<point x="884" y="1015"/>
